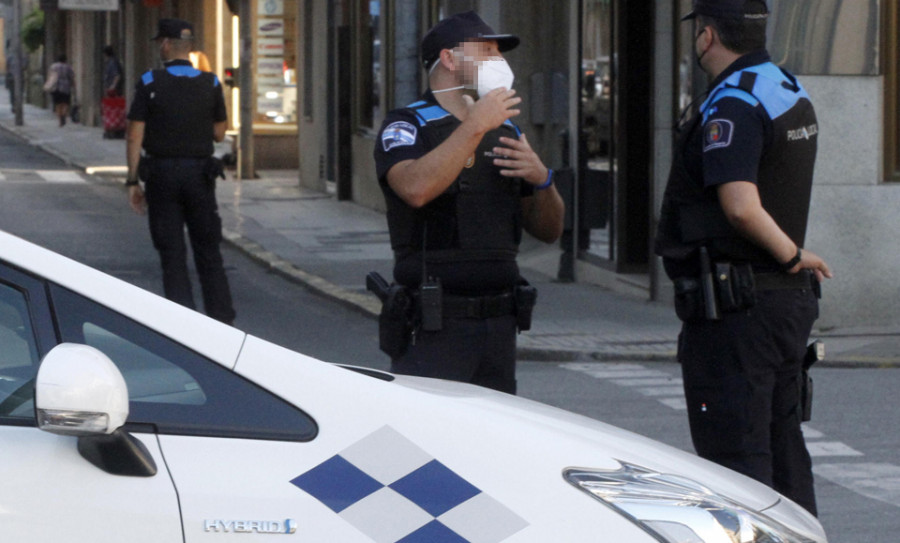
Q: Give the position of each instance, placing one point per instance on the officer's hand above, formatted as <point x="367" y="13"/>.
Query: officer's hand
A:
<point x="492" y="109"/>
<point x="136" y="199"/>
<point x="811" y="261"/>
<point x="521" y="161"/>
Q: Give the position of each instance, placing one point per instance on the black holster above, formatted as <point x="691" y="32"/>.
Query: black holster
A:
<point x="814" y="352"/>
<point x="213" y="169"/>
<point x="395" y="321"/>
<point x="733" y="289"/>
<point x="806" y="396"/>
<point x="526" y="297"/>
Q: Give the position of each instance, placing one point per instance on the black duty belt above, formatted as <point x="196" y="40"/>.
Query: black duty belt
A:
<point x="479" y="307"/>
<point x="783" y="281"/>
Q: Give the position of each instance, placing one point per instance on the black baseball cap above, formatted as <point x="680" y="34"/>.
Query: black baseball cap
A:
<point x="453" y="30"/>
<point x="729" y="9"/>
<point x="175" y="29"/>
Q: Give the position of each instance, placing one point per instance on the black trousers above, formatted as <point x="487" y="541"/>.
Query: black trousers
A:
<point x="179" y="196"/>
<point x="477" y="351"/>
<point x="742" y="386"/>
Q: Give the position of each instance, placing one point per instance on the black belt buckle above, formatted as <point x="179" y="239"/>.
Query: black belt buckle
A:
<point x="497" y="306"/>
<point x="474" y="308"/>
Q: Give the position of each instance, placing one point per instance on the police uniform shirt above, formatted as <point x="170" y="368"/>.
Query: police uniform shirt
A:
<point x="741" y="133"/>
<point x="179" y="105"/>
<point x="410" y="133"/>
<point x="733" y="132"/>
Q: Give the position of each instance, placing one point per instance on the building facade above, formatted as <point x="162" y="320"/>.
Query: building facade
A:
<point x="603" y="82"/>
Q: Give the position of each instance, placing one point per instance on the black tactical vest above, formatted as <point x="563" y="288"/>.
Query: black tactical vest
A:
<point x="478" y="218"/>
<point x="691" y="215"/>
<point x="180" y="111"/>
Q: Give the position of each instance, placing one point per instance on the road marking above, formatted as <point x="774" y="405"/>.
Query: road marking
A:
<point x="830" y="448"/>
<point x="60" y="176"/>
<point x="615" y="374"/>
<point x="46" y="176"/>
<point x="879" y="481"/>
<point x="662" y="391"/>
<point x="647" y="382"/>
<point x="678" y="404"/>
<point x="810" y="433"/>
<point x="664" y="387"/>
<point x="593" y="366"/>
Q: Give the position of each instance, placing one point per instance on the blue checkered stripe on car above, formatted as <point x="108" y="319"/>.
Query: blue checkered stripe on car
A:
<point x="394" y="492"/>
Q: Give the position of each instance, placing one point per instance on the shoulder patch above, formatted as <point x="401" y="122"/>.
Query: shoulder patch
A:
<point x="398" y="134"/>
<point x="717" y="133"/>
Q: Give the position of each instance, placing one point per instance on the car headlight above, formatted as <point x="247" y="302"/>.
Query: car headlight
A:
<point x="676" y="509"/>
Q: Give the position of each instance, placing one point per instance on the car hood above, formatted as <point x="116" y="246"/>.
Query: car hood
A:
<point x="446" y="415"/>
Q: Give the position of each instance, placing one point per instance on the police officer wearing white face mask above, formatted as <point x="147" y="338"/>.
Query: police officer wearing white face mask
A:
<point x="461" y="182"/>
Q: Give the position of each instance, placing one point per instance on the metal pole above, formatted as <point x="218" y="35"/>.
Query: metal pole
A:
<point x="18" y="72"/>
<point x="248" y="92"/>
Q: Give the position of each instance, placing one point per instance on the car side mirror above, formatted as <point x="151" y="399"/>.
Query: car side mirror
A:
<point x="80" y="392"/>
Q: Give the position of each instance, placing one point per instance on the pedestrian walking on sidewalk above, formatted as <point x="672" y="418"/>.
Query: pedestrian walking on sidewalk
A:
<point x="460" y="181"/>
<point x="731" y="232"/>
<point x="60" y="83"/>
<point x="112" y="104"/>
<point x="176" y="114"/>
<point x="113" y="78"/>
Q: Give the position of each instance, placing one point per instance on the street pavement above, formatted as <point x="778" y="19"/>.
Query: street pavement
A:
<point x="329" y="246"/>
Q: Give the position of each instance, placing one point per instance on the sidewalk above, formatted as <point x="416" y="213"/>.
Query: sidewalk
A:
<point x="329" y="246"/>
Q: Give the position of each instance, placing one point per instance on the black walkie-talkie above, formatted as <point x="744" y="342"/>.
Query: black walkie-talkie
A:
<point x="431" y="296"/>
<point x="431" y="300"/>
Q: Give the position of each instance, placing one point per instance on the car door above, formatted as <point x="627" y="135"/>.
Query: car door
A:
<point x="231" y="447"/>
<point x="48" y="491"/>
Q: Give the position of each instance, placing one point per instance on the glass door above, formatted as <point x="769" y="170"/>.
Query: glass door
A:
<point x="597" y="159"/>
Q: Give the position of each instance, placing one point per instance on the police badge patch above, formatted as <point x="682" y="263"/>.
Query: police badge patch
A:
<point x="398" y="134"/>
<point x="717" y="134"/>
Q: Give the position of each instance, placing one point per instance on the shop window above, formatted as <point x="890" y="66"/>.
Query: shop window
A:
<point x="818" y="37"/>
<point x="370" y="79"/>
<point x="276" y="62"/>
<point x="596" y="154"/>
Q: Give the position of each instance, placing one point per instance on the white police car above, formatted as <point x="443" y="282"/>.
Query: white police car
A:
<point x="124" y="417"/>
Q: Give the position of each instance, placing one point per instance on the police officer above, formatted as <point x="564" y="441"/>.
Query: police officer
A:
<point x="731" y="233"/>
<point x="176" y="114"/>
<point x="460" y="182"/>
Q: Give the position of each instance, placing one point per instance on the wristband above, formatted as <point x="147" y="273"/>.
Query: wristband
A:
<point x="546" y="184"/>
<point x="131" y="182"/>
<point x="792" y="262"/>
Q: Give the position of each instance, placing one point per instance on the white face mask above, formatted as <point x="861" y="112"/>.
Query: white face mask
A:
<point x="493" y="74"/>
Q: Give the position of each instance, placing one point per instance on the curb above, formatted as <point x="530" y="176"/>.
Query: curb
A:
<point x="366" y="304"/>
<point x="69" y="161"/>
